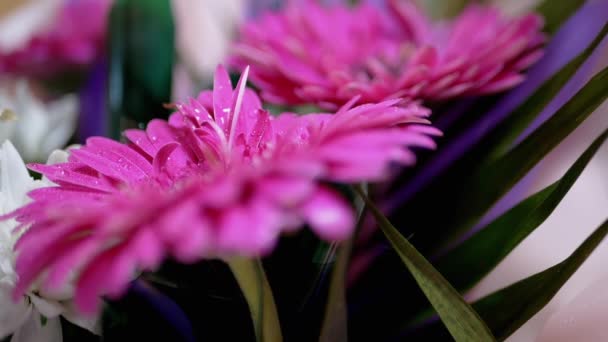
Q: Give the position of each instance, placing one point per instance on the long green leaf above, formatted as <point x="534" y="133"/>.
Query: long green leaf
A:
<point x="492" y="181"/>
<point x="508" y="309"/>
<point x="252" y="280"/>
<point x="117" y="51"/>
<point x="556" y="14"/>
<point x="463" y="323"/>
<point x="477" y="256"/>
<point x="335" y="327"/>
<point x="464" y="201"/>
<point x="507" y="132"/>
<point x="335" y="324"/>
<point x="141" y="52"/>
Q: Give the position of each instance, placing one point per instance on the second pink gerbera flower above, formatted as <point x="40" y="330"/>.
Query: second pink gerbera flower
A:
<point x="221" y="178"/>
<point x="310" y="53"/>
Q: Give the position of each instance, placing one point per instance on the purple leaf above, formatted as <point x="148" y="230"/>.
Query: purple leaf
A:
<point x="93" y="115"/>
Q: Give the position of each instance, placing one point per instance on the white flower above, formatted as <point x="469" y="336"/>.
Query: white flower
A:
<point x="204" y="32"/>
<point x="35" y="318"/>
<point x="36" y="128"/>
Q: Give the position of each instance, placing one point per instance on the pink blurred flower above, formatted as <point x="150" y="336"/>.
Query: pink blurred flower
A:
<point x="221" y="178"/>
<point x="479" y="52"/>
<point x="73" y="39"/>
<point x="309" y="53"/>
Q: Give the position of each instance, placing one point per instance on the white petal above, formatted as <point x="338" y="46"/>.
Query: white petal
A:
<point x="90" y="323"/>
<point x="15" y="181"/>
<point x="8" y="106"/>
<point x="39" y="127"/>
<point x="62" y="294"/>
<point x="34" y="331"/>
<point x="62" y="115"/>
<point x="58" y="156"/>
<point x="28" y="19"/>
<point x="205" y="22"/>
<point x="7" y="128"/>
<point x="12" y="315"/>
<point x="33" y="122"/>
<point x="48" y="308"/>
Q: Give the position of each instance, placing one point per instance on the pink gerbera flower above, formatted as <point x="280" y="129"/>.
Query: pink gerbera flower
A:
<point x="220" y="178"/>
<point x="310" y="53"/>
<point x="479" y="52"/>
<point x="74" y="39"/>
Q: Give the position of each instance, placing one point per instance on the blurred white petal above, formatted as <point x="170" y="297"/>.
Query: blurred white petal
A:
<point x="204" y="30"/>
<point x="61" y="122"/>
<point x="23" y="318"/>
<point x="48" y="308"/>
<point x="12" y="315"/>
<point x="92" y="324"/>
<point x="37" y="128"/>
<point x="21" y="24"/>
<point x="34" y="331"/>
<point x="15" y="181"/>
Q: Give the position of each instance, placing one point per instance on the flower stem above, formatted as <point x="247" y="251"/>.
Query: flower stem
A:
<point x="249" y="274"/>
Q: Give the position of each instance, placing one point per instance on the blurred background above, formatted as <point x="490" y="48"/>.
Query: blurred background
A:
<point x="64" y="77"/>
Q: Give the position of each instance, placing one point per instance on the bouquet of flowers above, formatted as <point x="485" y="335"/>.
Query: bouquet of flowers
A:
<point x="345" y="171"/>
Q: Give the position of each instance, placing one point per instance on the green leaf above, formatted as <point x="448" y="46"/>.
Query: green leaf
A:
<point x="323" y="260"/>
<point x="556" y="14"/>
<point x="251" y="278"/>
<point x="441" y="9"/>
<point x="335" y="325"/>
<point x="43" y="320"/>
<point x="508" y="309"/>
<point x="470" y="261"/>
<point x="452" y="191"/>
<point x="511" y="128"/>
<point x="141" y="57"/>
<point x="493" y="180"/>
<point x="463" y="323"/>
